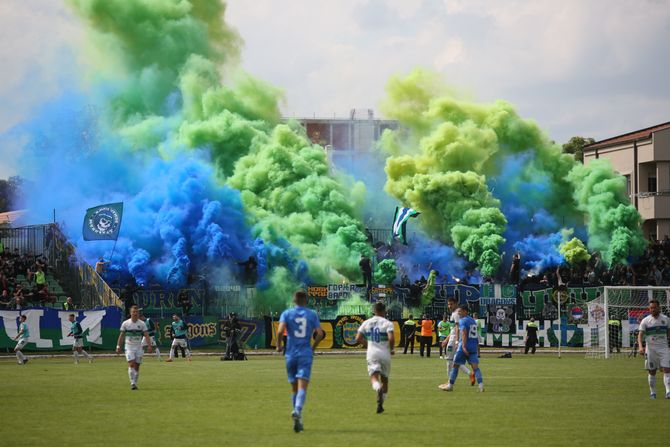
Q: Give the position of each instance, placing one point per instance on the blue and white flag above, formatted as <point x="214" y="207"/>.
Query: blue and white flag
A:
<point x="103" y="222"/>
<point x="402" y="215"/>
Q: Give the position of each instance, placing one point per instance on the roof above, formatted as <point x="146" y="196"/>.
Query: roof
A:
<point x="641" y="134"/>
<point x="11" y="216"/>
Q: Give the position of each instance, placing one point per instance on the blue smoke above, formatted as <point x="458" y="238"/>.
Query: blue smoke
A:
<point x="178" y="220"/>
<point x="532" y="229"/>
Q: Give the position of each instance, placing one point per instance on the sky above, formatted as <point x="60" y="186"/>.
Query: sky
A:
<point x="594" y="68"/>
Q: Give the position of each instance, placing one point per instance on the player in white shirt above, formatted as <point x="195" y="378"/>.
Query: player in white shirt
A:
<point x="377" y="334"/>
<point x="132" y="331"/>
<point x="452" y="343"/>
<point x="655" y="329"/>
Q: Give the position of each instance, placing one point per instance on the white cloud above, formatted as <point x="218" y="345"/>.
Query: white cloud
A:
<point x="594" y="68"/>
<point x="451" y="54"/>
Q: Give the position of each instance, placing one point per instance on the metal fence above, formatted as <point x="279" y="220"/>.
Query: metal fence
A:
<point x="76" y="276"/>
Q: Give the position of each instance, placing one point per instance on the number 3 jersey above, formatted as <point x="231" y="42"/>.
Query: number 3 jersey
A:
<point x="376" y="330"/>
<point x="300" y="325"/>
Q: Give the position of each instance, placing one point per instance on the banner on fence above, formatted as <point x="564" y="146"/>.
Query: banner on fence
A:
<point x="49" y="328"/>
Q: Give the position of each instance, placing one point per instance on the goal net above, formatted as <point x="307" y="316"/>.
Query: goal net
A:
<point x="614" y="317"/>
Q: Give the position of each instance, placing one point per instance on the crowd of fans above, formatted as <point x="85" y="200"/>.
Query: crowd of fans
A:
<point x="650" y="269"/>
<point x="23" y="280"/>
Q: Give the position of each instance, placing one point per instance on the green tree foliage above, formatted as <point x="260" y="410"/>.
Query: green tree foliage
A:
<point x="10" y="190"/>
<point x="576" y="147"/>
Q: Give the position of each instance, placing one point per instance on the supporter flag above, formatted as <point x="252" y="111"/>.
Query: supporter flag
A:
<point x="402" y="215"/>
<point x="103" y="222"/>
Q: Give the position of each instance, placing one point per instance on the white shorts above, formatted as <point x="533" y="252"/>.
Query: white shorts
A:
<point x="78" y="343"/>
<point x="381" y="366"/>
<point x="22" y="342"/>
<point x="181" y="342"/>
<point x="655" y="359"/>
<point x="450" y="351"/>
<point x="153" y="341"/>
<point x="134" y="354"/>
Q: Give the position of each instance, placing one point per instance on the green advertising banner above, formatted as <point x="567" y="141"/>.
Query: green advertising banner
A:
<point x="49" y="327"/>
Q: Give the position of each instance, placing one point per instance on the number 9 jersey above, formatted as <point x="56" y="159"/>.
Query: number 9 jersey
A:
<point x="300" y="325"/>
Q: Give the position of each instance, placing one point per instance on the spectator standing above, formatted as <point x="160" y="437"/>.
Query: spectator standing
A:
<point x="531" y="336"/>
<point x="68" y="304"/>
<point x="100" y="266"/>
<point x="426" y="335"/>
<point x="615" y="335"/>
<point x="515" y="269"/>
<point x="409" y="330"/>
<point x="184" y="301"/>
<point x="366" y="270"/>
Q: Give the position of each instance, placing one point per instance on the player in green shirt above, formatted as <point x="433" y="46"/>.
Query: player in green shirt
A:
<point x="443" y="330"/>
<point x="179" y="337"/>
<point x="151" y="327"/>
<point x="77" y="332"/>
<point x="22" y="337"/>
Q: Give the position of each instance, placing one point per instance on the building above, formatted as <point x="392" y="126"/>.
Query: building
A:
<point x="357" y="133"/>
<point x="643" y="157"/>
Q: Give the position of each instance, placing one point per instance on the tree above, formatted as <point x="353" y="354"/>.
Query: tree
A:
<point x="576" y="147"/>
<point x="10" y="191"/>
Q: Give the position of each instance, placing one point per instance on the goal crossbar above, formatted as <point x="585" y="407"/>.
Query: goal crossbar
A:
<point x="621" y="297"/>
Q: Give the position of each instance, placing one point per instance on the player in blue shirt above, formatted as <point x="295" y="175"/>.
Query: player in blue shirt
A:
<point x="300" y="324"/>
<point x="468" y="345"/>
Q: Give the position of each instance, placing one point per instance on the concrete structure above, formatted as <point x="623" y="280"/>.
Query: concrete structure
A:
<point x="643" y="157"/>
<point x="358" y="133"/>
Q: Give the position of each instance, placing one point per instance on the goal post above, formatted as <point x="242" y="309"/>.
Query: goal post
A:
<point x="613" y="318"/>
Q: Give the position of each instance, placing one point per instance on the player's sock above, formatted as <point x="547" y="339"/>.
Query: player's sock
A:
<point x="75" y="354"/>
<point x="478" y="376"/>
<point x="453" y="373"/>
<point x="172" y="351"/>
<point x="450" y="364"/>
<point x="158" y="353"/>
<point x="376" y="386"/>
<point x="137" y="376"/>
<point x="20" y="356"/>
<point x="188" y="353"/>
<point x="652" y="384"/>
<point x="86" y="354"/>
<point x="300" y="400"/>
<point x="465" y="370"/>
<point x="131" y="375"/>
<point x="666" y="381"/>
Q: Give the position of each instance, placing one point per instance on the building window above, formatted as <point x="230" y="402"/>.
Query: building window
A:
<point x="651" y="184"/>
<point x="629" y="192"/>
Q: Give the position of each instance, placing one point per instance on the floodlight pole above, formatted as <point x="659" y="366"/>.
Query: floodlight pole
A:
<point x="607" y="319"/>
<point x="559" y="323"/>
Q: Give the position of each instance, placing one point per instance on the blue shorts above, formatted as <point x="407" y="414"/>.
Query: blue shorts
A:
<point x="298" y="368"/>
<point x="461" y="357"/>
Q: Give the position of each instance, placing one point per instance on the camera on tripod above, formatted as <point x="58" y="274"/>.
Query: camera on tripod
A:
<point x="232" y="331"/>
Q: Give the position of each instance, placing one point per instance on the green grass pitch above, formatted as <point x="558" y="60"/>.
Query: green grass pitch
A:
<point x="529" y="401"/>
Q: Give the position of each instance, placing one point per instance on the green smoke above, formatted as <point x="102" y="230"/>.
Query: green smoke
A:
<point x="614" y="224"/>
<point x="386" y="271"/>
<point x="440" y="162"/>
<point x="175" y="87"/>
<point x="574" y="251"/>
<point x="354" y="306"/>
